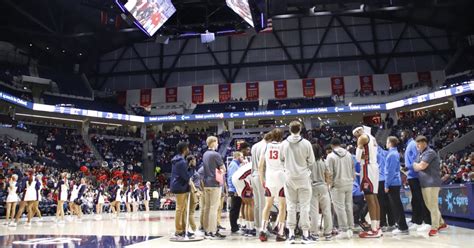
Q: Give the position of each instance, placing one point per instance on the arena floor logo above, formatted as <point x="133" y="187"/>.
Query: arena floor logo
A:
<point x="47" y="241"/>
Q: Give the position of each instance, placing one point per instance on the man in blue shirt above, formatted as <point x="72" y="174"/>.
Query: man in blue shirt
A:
<point x="420" y="212"/>
<point x="235" y="200"/>
<point x="393" y="183"/>
<point x="385" y="212"/>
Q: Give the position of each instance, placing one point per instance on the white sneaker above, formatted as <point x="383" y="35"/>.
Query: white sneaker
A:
<point x="28" y="224"/>
<point x="12" y="224"/>
<point x="414" y="227"/>
<point x="424" y="228"/>
<point x="400" y="232"/>
<point x="349" y="234"/>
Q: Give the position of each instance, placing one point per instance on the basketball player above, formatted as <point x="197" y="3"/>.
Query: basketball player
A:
<point x="258" y="190"/>
<point x="273" y="182"/>
<point x="297" y="155"/>
<point x="62" y="189"/>
<point x="366" y="154"/>
<point x="12" y="199"/>
<point x="241" y="182"/>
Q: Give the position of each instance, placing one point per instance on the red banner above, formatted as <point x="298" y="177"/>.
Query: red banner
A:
<point x="145" y="98"/>
<point x="280" y="88"/>
<point x="309" y="87"/>
<point x="424" y="77"/>
<point x="172" y="94"/>
<point x="121" y="98"/>
<point x="252" y="91"/>
<point x="395" y="81"/>
<point x="337" y="86"/>
<point x="225" y="92"/>
<point x="197" y="94"/>
<point x="366" y="84"/>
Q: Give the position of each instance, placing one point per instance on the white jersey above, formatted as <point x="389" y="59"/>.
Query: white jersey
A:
<point x="272" y="157"/>
<point x="371" y="149"/>
<point x="74" y="193"/>
<point x="257" y="151"/>
<point x="242" y="182"/>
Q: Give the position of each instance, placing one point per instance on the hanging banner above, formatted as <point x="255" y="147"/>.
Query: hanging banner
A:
<point x="225" y="92"/>
<point x="122" y="98"/>
<point x="424" y="77"/>
<point x="395" y="81"/>
<point x="197" y="94"/>
<point x="145" y="98"/>
<point x="366" y="84"/>
<point x="309" y="87"/>
<point x="252" y="91"/>
<point x="172" y="94"/>
<point x="280" y="88"/>
<point x="337" y="86"/>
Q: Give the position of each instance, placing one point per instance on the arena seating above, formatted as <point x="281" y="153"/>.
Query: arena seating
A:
<point x="129" y="152"/>
<point x="234" y="106"/>
<point x="448" y="134"/>
<point x="427" y="123"/>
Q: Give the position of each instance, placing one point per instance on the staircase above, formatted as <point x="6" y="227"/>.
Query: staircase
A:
<point x="458" y="145"/>
<point x="88" y="142"/>
<point x="436" y="137"/>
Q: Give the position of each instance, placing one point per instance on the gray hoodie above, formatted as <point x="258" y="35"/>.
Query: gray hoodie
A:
<point x="297" y="156"/>
<point x="318" y="172"/>
<point x="341" y="166"/>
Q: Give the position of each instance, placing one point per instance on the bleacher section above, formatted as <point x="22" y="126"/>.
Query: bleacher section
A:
<point x="236" y="106"/>
<point x="276" y="104"/>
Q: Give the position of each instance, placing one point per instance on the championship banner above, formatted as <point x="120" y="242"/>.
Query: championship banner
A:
<point x="122" y="98"/>
<point x="424" y="77"/>
<point x="172" y="94"/>
<point x="395" y="81"/>
<point x="366" y="84"/>
<point x="309" y="87"/>
<point x="280" y="88"/>
<point x="145" y="97"/>
<point x="225" y="92"/>
<point x="337" y="86"/>
<point x="197" y="94"/>
<point x="252" y="91"/>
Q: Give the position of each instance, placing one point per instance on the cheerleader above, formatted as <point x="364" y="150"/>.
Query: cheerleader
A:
<point x="129" y="198"/>
<point x="99" y="201"/>
<point x="72" y="197"/>
<point x="38" y="188"/>
<point x="12" y="199"/>
<point x="117" y="197"/>
<point x="21" y="194"/>
<point x="81" y="190"/>
<point x="136" y="198"/>
<point x="146" y="196"/>
<point x="62" y="189"/>
<point x="31" y="195"/>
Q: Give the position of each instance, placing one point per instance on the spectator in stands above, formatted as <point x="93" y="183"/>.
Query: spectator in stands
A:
<point x="428" y="167"/>
<point x="180" y="175"/>
<point x="214" y="170"/>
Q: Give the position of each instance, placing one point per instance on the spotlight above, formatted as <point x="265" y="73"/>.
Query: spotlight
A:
<point x="47" y="48"/>
<point x="31" y="45"/>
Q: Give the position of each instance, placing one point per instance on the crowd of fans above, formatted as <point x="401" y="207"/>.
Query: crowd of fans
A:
<point x="460" y="127"/>
<point x="426" y="123"/>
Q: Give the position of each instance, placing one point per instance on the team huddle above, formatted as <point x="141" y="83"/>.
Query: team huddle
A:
<point x="297" y="179"/>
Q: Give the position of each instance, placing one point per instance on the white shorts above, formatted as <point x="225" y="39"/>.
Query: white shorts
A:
<point x="369" y="178"/>
<point x="243" y="188"/>
<point x="101" y="200"/>
<point x="274" y="183"/>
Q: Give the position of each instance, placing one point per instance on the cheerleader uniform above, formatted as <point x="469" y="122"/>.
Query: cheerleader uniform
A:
<point x="74" y="193"/>
<point x="63" y="190"/>
<point x="136" y="195"/>
<point x="32" y="191"/>
<point x="118" y="194"/>
<point x="81" y="189"/>
<point x="12" y="192"/>
<point x="128" y="196"/>
<point x="146" y="194"/>
<point x="100" y="196"/>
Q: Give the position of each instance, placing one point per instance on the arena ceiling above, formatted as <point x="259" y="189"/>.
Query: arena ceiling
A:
<point x="84" y="29"/>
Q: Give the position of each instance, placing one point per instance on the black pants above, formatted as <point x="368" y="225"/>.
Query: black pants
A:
<point x="385" y="211"/>
<point x="396" y="207"/>
<point x="235" y="203"/>
<point x="360" y="209"/>
<point x="420" y="212"/>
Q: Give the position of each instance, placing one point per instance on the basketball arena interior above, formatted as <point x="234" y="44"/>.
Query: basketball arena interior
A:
<point x="236" y="123"/>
